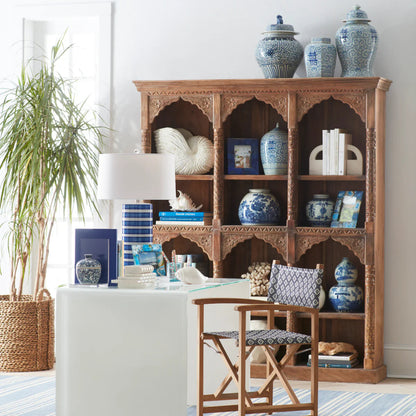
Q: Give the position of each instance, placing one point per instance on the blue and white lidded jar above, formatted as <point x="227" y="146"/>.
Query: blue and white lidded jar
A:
<point x="273" y="152"/>
<point x="319" y="210"/>
<point x="346" y="296"/>
<point x="356" y="44"/>
<point x="279" y="53"/>
<point x="320" y="58"/>
<point x="88" y="270"/>
<point x="259" y="207"/>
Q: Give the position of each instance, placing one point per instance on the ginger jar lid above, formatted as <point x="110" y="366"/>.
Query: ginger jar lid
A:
<point x="279" y="28"/>
<point x="357" y="15"/>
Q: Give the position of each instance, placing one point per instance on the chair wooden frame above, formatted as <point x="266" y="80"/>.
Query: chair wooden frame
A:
<point x="237" y="371"/>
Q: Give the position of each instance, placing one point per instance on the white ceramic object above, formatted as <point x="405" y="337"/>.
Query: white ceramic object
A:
<point x="190" y="276"/>
<point x="183" y="203"/>
<point x="194" y="155"/>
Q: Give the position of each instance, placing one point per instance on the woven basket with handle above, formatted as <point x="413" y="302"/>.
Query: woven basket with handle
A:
<point x="27" y="333"/>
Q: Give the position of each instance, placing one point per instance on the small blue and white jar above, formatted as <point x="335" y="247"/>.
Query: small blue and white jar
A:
<point x="319" y="210"/>
<point x="259" y="207"/>
<point x="273" y="152"/>
<point x="320" y="58"/>
<point x="346" y="296"/>
<point x="279" y="53"/>
<point x="88" y="270"/>
<point x="356" y="44"/>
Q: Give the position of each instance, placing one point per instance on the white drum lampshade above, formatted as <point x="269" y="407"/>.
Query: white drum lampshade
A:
<point x="136" y="176"/>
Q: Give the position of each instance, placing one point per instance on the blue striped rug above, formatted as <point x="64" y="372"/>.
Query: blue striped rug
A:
<point x="35" y="396"/>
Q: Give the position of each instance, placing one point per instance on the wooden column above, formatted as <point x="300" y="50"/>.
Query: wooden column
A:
<point x="146" y="140"/>
<point x="369" y="336"/>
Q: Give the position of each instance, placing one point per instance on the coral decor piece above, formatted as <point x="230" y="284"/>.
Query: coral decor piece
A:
<point x="194" y="155"/>
<point x="332" y="348"/>
<point x="183" y="203"/>
<point x="258" y="273"/>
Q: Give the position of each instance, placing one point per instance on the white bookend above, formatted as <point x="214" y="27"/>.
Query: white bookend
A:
<point x="325" y="152"/>
<point x="344" y="140"/>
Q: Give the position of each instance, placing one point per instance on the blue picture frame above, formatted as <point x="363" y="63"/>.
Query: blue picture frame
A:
<point x="346" y="209"/>
<point x="102" y="244"/>
<point x="242" y="156"/>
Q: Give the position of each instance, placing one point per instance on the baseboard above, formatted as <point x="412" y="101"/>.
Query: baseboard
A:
<point x="400" y="360"/>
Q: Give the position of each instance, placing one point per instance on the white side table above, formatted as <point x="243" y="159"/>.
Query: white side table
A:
<point x="133" y="352"/>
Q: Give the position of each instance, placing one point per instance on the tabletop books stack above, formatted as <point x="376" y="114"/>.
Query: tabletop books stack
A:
<point x="336" y="361"/>
<point x="184" y="218"/>
<point x="137" y="277"/>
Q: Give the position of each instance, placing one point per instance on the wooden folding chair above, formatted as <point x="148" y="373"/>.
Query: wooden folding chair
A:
<point x="292" y="290"/>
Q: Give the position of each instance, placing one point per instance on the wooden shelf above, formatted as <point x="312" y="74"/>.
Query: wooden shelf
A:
<point x="255" y="177"/>
<point x="344" y="178"/>
<point x="194" y="177"/>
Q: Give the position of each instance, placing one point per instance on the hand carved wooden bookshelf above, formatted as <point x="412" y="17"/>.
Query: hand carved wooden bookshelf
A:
<point x="221" y="109"/>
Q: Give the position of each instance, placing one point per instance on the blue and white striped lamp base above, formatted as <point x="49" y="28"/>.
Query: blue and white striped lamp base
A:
<point x="137" y="227"/>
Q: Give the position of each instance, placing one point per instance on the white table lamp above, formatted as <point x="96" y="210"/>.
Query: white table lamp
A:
<point x="136" y="176"/>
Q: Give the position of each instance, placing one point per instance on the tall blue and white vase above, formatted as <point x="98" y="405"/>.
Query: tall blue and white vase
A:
<point x="279" y="53"/>
<point x="273" y="152"/>
<point x="137" y="227"/>
<point x="259" y="207"/>
<point x="356" y="44"/>
<point x="346" y="296"/>
<point x="319" y="210"/>
<point x="320" y="58"/>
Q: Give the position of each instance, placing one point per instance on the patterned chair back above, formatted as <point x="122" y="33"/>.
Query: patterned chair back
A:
<point x="295" y="286"/>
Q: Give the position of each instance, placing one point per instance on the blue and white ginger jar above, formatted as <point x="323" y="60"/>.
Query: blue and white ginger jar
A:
<point x="356" y="44"/>
<point x="320" y="58"/>
<point x="346" y="296"/>
<point x="88" y="270"/>
<point x="273" y="152"/>
<point x="259" y="207"/>
<point x="279" y="53"/>
<point x="319" y="210"/>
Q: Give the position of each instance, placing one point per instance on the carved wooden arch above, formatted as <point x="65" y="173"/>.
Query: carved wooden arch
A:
<point x="203" y="239"/>
<point x="354" y="243"/>
<point x="158" y="102"/>
<point x="356" y="101"/>
<point x="229" y="241"/>
<point x="230" y="102"/>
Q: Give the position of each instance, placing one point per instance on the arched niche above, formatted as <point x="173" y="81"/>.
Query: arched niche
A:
<point x="326" y="115"/>
<point x="183" y="114"/>
<point x="252" y="119"/>
<point x="330" y="253"/>
<point x="246" y="252"/>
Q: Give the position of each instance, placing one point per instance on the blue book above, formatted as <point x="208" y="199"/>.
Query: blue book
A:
<point x="183" y="214"/>
<point x="179" y="219"/>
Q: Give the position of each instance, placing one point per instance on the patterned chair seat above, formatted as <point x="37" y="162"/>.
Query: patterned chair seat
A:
<point x="267" y="337"/>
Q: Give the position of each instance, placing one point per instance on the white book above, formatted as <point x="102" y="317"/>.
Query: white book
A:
<point x="344" y="140"/>
<point x="325" y="152"/>
<point x="333" y="152"/>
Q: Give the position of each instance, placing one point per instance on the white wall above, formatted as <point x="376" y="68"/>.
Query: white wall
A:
<point x="188" y="39"/>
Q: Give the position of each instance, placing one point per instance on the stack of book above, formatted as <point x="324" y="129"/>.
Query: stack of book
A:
<point x="137" y="277"/>
<point x="336" y="361"/>
<point x="184" y="218"/>
<point x="335" y="151"/>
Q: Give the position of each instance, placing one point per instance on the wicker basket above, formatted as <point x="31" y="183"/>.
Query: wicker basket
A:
<point x="27" y="333"/>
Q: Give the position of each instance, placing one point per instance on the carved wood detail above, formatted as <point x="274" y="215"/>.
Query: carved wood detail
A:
<point x="370" y="187"/>
<point x="218" y="192"/>
<point x="277" y="101"/>
<point x="292" y="185"/>
<point x="356" y="245"/>
<point x="229" y="241"/>
<point x="158" y="102"/>
<point x="307" y="100"/>
<point x="369" y="336"/>
<point x="230" y="102"/>
<point x="304" y="243"/>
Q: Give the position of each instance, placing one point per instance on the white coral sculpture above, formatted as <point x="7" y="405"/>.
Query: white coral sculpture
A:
<point x="194" y="155"/>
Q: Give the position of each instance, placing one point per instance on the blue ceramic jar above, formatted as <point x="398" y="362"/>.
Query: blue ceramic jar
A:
<point x="88" y="270"/>
<point x="320" y="58"/>
<point x="259" y="207"/>
<point x="346" y="296"/>
<point x="356" y="44"/>
<point x="273" y="152"/>
<point x="319" y="211"/>
<point x="279" y="53"/>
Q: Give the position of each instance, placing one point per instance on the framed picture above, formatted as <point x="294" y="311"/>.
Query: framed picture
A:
<point x="347" y="209"/>
<point x="243" y="156"/>
<point x="102" y="244"/>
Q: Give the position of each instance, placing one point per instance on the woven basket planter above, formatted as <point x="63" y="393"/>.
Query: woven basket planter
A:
<point x="27" y="333"/>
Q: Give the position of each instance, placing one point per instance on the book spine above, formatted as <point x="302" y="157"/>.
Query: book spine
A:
<point x="325" y="152"/>
<point x="184" y="214"/>
<point x="180" y="222"/>
<point x="331" y="365"/>
<point x="344" y="141"/>
<point x="180" y="219"/>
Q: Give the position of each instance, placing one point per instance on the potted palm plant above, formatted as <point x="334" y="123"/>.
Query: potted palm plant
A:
<point x="48" y="160"/>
